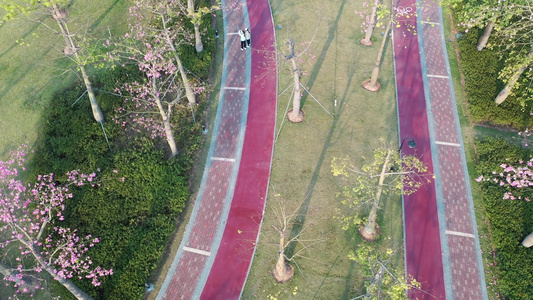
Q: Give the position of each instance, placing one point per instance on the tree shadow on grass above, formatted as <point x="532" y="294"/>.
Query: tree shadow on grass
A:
<point x="22" y="37"/>
<point x="302" y="213"/>
<point x="322" y="56"/>
<point x="103" y="15"/>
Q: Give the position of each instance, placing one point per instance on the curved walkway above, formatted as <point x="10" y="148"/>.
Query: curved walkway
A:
<point x="442" y="249"/>
<point x="215" y="254"/>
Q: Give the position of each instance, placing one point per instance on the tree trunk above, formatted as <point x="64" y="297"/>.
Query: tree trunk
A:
<point x="373" y="84"/>
<point x="375" y="285"/>
<point x="166" y="121"/>
<point x="71" y="46"/>
<point x="370" y="227"/>
<point x="97" y="112"/>
<point x="198" y="38"/>
<point x="528" y="241"/>
<point x="484" y="38"/>
<point x="367" y="40"/>
<point x="282" y="271"/>
<point x="28" y="282"/>
<point x="296" y="100"/>
<point x="195" y="21"/>
<point x="69" y="285"/>
<point x="188" y="89"/>
<point x="506" y="91"/>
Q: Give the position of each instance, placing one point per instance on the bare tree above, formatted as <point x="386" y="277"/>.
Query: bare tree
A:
<point x="292" y="57"/>
<point x="283" y="271"/>
<point x="372" y="84"/>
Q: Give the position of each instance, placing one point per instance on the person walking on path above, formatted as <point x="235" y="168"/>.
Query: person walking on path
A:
<point x="248" y="36"/>
<point x="243" y="40"/>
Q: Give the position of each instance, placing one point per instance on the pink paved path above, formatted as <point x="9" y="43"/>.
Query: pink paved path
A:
<point x="216" y="252"/>
<point x="441" y="242"/>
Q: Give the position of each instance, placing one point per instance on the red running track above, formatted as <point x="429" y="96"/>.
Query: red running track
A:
<point x="421" y="224"/>
<point x="234" y="256"/>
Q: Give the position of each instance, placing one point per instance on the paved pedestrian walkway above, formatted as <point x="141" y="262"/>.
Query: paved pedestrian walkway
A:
<point x="215" y="254"/>
<point x="441" y="241"/>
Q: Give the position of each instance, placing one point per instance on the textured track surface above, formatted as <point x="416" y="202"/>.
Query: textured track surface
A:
<point x="441" y="242"/>
<point x="214" y="257"/>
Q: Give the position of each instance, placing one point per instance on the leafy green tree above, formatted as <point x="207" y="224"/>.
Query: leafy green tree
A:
<point x="387" y="173"/>
<point x="58" y="11"/>
<point x="381" y="281"/>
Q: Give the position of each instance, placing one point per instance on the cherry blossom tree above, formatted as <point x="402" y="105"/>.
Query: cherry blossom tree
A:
<point x="517" y="180"/>
<point x="58" y="11"/>
<point x="31" y="234"/>
<point x="151" y="45"/>
<point x="160" y="21"/>
<point x="155" y="94"/>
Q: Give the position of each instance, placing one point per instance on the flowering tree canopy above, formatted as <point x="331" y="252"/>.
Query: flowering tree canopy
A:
<point x="517" y="179"/>
<point x="30" y="230"/>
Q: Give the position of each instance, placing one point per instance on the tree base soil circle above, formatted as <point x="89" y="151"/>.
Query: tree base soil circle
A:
<point x="283" y="278"/>
<point x="366" y="43"/>
<point x="369" y="237"/>
<point x="369" y="87"/>
<point x="298" y="119"/>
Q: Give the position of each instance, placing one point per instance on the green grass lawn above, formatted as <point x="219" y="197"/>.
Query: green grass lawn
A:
<point x="301" y="172"/>
<point x="33" y="68"/>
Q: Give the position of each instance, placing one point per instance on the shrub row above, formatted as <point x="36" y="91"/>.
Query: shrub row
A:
<point x="481" y="69"/>
<point x="509" y="222"/>
<point x="133" y="218"/>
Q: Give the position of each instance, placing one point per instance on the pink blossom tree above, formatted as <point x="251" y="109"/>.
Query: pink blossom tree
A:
<point x="30" y="233"/>
<point x="517" y="180"/>
<point x="161" y="21"/>
<point x="151" y="45"/>
<point x="150" y="101"/>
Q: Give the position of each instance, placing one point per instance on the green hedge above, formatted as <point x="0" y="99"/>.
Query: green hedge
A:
<point x="135" y="218"/>
<point x="509" y="222"/>
<point x="481" y="69"/>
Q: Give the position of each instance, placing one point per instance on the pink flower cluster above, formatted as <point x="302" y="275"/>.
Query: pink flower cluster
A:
<point x="25" y="213"/>
<point x="515" y="178"/>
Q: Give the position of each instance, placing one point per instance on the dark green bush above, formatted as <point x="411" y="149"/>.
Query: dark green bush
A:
<point x="134" y="218"/>
<point x="481" y="69"/>
<point x="510" y="221"/>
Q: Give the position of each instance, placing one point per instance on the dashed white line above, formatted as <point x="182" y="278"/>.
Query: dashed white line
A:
<point x="427" y="22"/>
<point x="197" y="251"/>
<point x="438" y="76"/>
<point x="223" y="159"/>
<point x="234" y="88"/>
<point x="448" y="144"/>
<point x="460" y="233"/>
